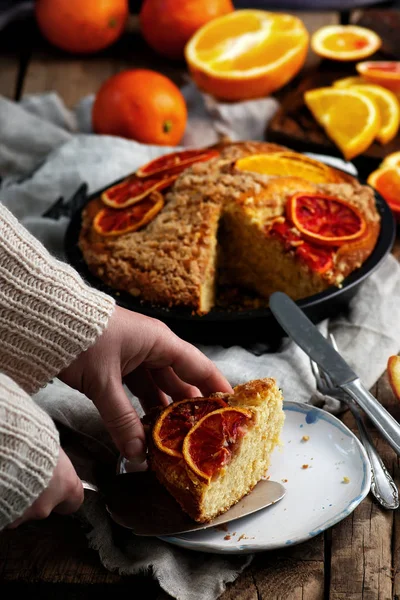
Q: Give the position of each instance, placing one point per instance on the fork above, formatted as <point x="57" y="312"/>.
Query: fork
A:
<point x="382" y="485"/>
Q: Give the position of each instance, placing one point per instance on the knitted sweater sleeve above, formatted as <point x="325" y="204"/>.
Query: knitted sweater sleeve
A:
<point x="48" y="316"/>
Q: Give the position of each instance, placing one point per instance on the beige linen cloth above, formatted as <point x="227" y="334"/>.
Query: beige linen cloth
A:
<point x="47" y="152"/>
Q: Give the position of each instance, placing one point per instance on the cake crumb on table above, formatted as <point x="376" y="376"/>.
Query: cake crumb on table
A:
<point x="346" y="479"/>
<point x="304" y="467"/>
<point x="305" y="438"/>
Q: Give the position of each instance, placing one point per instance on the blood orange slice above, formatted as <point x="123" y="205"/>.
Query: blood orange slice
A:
<point x="386" y="181"/>
<point x="111" y="221"/>
<point x="318" y="259"/>
<point x="385" y="73"/>
<point x="134" y="189"/>
<point x="175" y="421"/>
<point x="212" y="442"/>
<point x="176" y="162"/>
<point x="325" y="220"/>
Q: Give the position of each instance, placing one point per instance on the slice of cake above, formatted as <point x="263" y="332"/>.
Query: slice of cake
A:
<point x="210" y="452"/>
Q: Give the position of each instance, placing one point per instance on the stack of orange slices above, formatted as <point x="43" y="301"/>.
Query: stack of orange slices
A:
<point x="386" y="181"/>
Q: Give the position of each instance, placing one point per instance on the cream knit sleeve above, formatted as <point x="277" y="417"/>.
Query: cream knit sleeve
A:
<point x="29" y="447"/>
<point x="48" y="315"/>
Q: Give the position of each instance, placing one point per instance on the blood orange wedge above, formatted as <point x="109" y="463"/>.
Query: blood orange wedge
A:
<point x="386" y="181"/>
<point x="345" y="42"/>
<point x="171" y="164"/>
<point x="318" y="259"/>
<point x="212" y="442"/>
<point x="393" y="370"/>
<point x="134" y="189"/>
<point x="386" y="73"/>
<point x="288" y="163"/>
<point x="175" y="421"/>
<point x="111" y="221"/>
<point x="325" y="220"/>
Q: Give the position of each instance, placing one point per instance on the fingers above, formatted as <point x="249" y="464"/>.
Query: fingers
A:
<point x="121" y="420"/>
<point x="141" y="384"/>
<point x="168" y="381"/>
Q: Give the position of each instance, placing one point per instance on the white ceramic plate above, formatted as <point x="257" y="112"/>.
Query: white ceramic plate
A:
<point x="326" y="477"/>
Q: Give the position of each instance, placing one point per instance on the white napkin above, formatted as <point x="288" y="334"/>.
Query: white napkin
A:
<point x="44" y="156"/>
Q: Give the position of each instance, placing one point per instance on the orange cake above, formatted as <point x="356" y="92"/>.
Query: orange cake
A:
<point x="210" y="452"/>
<point x="249" y="215"/>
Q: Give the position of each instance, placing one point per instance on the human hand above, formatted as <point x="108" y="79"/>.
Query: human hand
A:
<point x="152" y="361"/>
<point x="63" y="495"/>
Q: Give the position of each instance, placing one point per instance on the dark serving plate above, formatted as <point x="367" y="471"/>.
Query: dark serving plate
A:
<point x="247" y="327"/>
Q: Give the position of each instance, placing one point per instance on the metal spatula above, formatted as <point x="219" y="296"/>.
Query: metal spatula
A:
<point x="139" y="502"/>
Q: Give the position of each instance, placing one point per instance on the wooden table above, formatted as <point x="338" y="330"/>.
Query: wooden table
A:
<point x="358" y="559"/>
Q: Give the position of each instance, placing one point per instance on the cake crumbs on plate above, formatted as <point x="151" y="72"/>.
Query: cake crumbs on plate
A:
<point x="304" y="466"/>
<point x="346" y="479"/>
<point x="305" y="438"/>
<point x="284" y="480"/>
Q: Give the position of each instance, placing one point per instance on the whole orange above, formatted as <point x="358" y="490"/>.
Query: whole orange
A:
<point x="81" y="26"/>
<point x="142" y="105"/>
<point x="167" y="25"/>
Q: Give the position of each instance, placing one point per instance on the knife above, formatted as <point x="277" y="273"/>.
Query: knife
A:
<point x="306" y="335"/>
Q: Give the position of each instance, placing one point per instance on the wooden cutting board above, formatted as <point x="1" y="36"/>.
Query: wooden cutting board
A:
<point x="295" y="127"/>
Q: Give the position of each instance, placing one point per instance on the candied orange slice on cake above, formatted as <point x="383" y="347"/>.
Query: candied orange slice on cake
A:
<point x="175" y="422"/>
<point x="110" y="221"/>
<point x="134" y="189"/>
<point x="213" y="441"/>
<point x="386" y="73"/>
<point x="325" y="220"/>
<point x="345" y="42"/>
<point x="288" y="163"/>
<point x="386" y="181"/>
<point x="175" y="162"/>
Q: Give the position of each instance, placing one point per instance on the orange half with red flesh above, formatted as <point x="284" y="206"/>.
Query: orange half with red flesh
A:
<point x="212" y="442"/>
<point x="134" y="189"/>
<point x="325" y="220"/>
<point x="110" y="221"/>
<point x="176" y="162"/>
<point x="176" y="421"/>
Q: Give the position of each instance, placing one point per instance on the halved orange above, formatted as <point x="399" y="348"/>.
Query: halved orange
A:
<point x="178" y="418"/>
<point x="391" y="160"/>
<point x="389" y="110"/>
<point x="385" y="73"/>
<point x="134" y="189"/>
<point x="386" y="181"/>
<point x="174" y="163"/>
<point x="288" y="163"/>
<point x="212" y="442"/>
<point x="325" y="220"/>
<point x="247" y="53"/>
<point x="111" y="221"/>
<point x="345" y="42"/>
<point x="350" y="119"/>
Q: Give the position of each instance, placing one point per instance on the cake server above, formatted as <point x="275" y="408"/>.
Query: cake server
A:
<point x="139" y="502"/>
<point x="306" y="335"/>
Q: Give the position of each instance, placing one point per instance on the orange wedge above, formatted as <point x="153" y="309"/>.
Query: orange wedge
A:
<point x="392" y="160"/>
<point x="247" y="53"/>
<point x="389" y="110"/>
<point x="346" y="82"/>
<point x="386" y="181"/>
<point x="287" y="164"/>
<point x="386" y="73"/>
<point x="350" y="119"/>
<point x="211" y="443"/>
<point x="178" y="418"/>
<point x="345" y="42"/>
<point x="325" y="220"/>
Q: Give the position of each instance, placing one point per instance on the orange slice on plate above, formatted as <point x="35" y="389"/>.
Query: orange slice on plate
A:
<point x="213" y="441"/>
<point x="393" y="370"/>
<point x="391" y="160"/>
<point x="177" y="420"/>
<point x="350" y="119"/>
<point x="345" y="42"/>
<point x="110" y="221"/>
<point x="174" y="163"/>
<point x="386" y="181"/>
<point x="385" y="73"/>
<point x="389" y="110"/>
<point x="325" y="220"/>
<point x="134" y="189"/>
<point x="247" y="53"/>
<point x="287" y="163"/>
